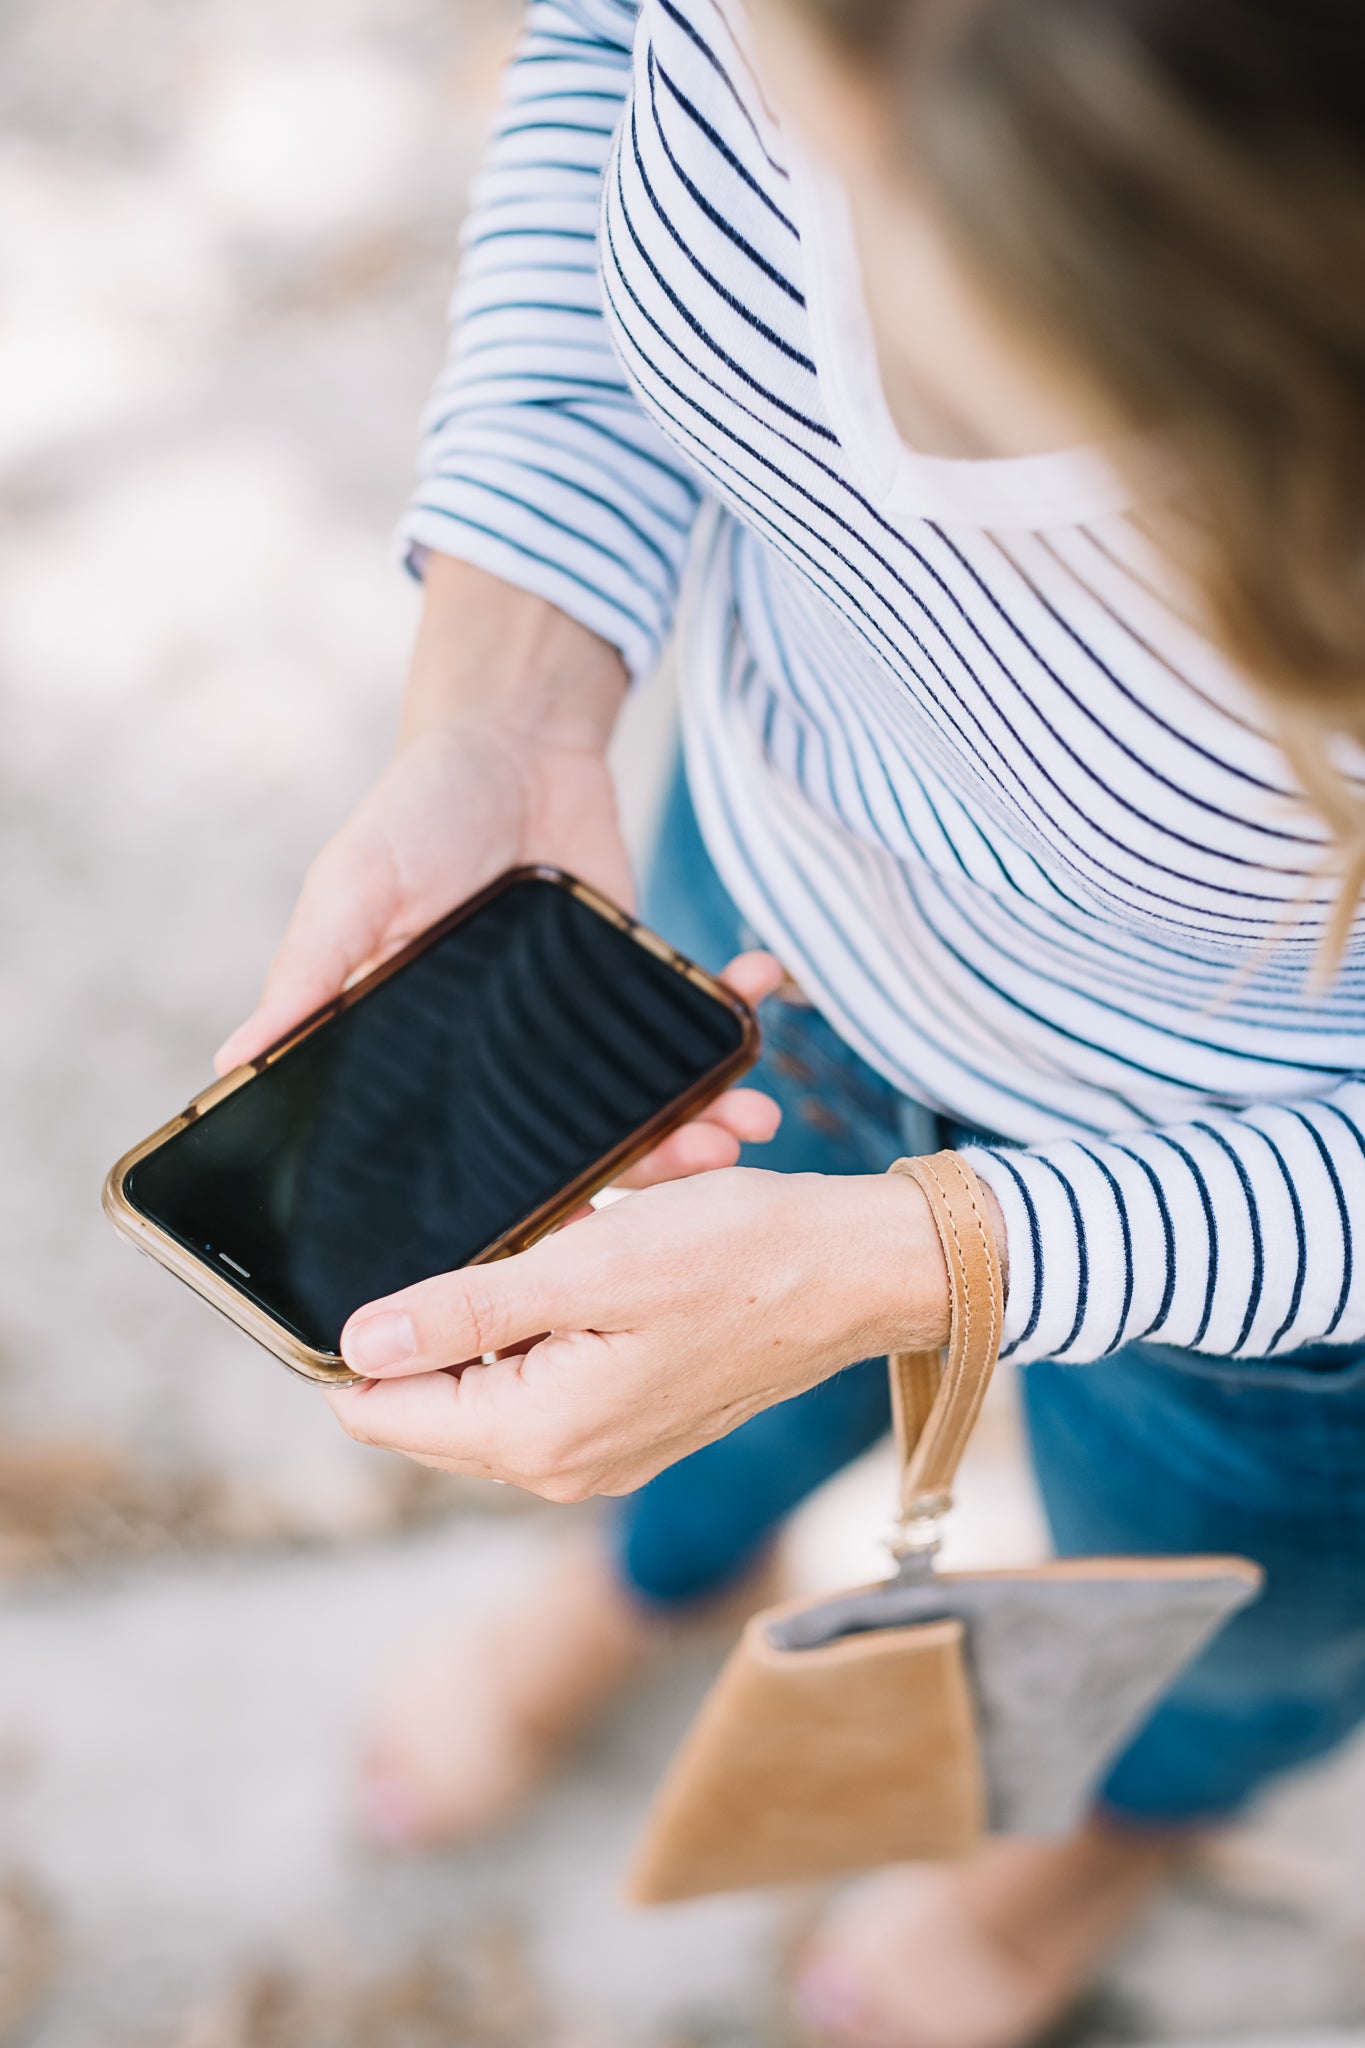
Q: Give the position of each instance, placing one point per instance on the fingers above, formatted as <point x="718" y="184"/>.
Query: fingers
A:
<point x="480" y="1423"/>
<point x="754" y="976"/>
<point x="433" y="1417"/>
<point x="338" y="925"/>
<point x="461" y="1316"/>
<point x="431" y="1414"/>
<point x="742" y="1116"/>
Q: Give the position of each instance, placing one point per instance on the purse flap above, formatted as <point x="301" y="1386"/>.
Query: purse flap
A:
<point x="1065" y="1660"/>
<point x="858" y="1752"/>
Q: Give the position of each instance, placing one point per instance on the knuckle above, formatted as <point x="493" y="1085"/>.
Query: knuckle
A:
<point x="354" y="1424"/>
<point x="544" y="1459"/>
<point x="562" y="1488"/>
<point x="551" y="1463"/>
<point x="540" y="1466"/>
<point x="484" y="1320"/>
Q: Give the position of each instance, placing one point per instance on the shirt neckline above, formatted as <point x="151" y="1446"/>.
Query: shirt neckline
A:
<point x="1068" y="488"/>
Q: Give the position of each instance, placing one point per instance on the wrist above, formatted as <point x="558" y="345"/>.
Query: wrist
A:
<point x="490" y="655"/>
<point x="895" y="1263"/>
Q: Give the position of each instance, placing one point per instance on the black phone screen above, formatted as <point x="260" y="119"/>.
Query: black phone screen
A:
<point x="438" y="1111"/>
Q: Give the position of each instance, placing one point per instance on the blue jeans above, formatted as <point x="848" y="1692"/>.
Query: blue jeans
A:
<point x="1154" y="1450"/>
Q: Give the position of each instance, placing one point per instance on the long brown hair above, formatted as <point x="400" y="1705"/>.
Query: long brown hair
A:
<point x="1173" y="193"/>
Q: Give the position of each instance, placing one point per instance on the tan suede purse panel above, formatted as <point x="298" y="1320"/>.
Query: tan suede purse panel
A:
<point x="899" y="1722"/>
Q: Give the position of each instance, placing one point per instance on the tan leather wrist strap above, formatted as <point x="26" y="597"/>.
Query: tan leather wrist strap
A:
<point x="936" y="1396"/>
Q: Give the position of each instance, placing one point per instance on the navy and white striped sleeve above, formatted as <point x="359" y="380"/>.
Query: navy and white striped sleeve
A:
<point x="1241" y="1235"/>
<point x="537" y="464"/>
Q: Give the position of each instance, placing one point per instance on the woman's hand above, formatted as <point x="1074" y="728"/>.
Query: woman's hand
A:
<point x="673" y="1316"/>
<point x="501" y="761"/>
<point x="455" y="807"/>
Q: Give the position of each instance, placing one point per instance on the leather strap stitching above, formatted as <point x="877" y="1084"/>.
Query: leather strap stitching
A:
<point x="930" y="1455"/>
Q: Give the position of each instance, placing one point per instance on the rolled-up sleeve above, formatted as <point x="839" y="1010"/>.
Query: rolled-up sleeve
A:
<point x="537" y="464"/>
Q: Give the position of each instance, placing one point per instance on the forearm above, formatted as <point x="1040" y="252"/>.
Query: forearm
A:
<point x="537" y="463"/>
<point x="490" y="654"/>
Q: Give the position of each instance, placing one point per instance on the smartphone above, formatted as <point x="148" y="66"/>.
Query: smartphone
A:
<point x="452" y="1106"/>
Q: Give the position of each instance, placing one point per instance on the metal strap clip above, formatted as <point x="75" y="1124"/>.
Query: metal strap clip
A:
<point x="918" y="1529"/>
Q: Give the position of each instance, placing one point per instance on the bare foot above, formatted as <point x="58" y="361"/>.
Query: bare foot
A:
<point x="983" y="1954"/>
<point x="469" y="1725"/>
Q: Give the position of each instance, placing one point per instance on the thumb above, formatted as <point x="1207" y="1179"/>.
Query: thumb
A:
<point x="340" y="922"/>
<point x="755" y="976"/>
<point x="560" y="1283"/>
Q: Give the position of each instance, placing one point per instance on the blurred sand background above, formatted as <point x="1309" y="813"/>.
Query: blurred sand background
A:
<point x="226" y="237"/>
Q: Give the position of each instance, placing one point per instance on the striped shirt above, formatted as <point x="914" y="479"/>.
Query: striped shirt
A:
<point x="957" y="752"/>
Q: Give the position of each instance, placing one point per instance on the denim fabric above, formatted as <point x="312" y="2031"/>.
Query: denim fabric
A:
<point x="1152" y="1451"/>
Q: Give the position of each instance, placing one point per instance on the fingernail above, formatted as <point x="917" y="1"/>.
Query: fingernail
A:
<point x="829" y="1997"/>
<point x="376" y="1342"/>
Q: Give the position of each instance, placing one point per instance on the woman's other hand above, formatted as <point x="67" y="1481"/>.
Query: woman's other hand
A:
<point x="502" y="759"/>
<point x="672" y="1317"/>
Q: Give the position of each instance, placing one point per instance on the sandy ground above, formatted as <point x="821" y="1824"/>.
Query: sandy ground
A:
<point x="226" y="233"/>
